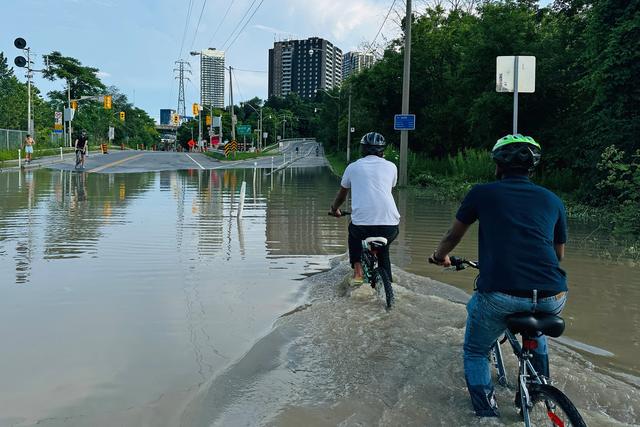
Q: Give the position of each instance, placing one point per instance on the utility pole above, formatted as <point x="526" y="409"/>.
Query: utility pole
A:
<point x="349" y="129"/>
<point x="233" y="113"/>
<point x="181" y="70"/>
<point x="404" y="135"/>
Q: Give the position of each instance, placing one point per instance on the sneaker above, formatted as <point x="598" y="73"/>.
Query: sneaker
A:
<point x="355" y="282"/>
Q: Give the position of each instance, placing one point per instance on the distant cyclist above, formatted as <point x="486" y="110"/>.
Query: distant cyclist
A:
<point x="81" y="147"/>
<point x="522" y="234"/>
<point x="375" y="214"/>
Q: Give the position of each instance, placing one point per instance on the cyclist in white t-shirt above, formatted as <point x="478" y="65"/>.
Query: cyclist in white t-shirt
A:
<point x="374" y="211"/>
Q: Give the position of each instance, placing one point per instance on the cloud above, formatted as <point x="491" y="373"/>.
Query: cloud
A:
<point x="273" y="30"/>
<point x="102" y="74"/>
<point x="342" y="20"/>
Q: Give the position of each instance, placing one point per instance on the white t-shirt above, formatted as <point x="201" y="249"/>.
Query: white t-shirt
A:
<point x="371" y="180"/>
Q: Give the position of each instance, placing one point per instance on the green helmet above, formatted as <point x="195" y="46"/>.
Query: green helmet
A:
<point x="517" y="152"/>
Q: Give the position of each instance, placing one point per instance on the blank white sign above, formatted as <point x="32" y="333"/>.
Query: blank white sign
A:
<point x="526" y="74"/>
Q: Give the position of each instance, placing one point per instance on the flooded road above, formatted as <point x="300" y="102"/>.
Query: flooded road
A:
<point x="125" y="297"/>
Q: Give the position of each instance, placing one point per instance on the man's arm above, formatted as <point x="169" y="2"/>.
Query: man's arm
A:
<point x="449" y="241"/>
<point x="338" y="201"/>
<point x="559" y="247"/>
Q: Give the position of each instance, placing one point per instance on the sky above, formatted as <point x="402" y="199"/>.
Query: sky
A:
<point x="135" y="43"/>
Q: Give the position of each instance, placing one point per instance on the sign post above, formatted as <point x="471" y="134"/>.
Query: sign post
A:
<point x="404" y="122"/>
<point x="516" y="74"/>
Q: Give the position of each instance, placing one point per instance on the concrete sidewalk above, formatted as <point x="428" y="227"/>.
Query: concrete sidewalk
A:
<point x="44" y="161"/>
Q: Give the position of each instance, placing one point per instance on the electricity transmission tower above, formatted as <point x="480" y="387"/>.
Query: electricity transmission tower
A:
<point x="182" y="67"/>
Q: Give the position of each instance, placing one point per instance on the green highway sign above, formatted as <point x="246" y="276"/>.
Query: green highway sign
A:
<point x="244" y="129"/>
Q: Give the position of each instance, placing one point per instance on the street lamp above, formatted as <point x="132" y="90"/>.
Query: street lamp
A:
<point x="195" y="53"/>
<point x="242" y="104"/>
<point x="349" y="129"/>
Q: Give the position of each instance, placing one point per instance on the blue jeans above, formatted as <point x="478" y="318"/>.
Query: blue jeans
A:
<point x="486" y="322"/>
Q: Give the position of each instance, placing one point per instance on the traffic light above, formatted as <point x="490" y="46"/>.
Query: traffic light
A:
<point x="74" y="105"/>
<point x="107" y="102"/>
<point x="122" y="115"/>
<point x="208" y="120"/>
<point x="196" y="109"/>
<point x="175" y="119"/>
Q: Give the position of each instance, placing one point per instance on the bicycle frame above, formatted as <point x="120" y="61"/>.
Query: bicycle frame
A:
<point x="526" y="372"/>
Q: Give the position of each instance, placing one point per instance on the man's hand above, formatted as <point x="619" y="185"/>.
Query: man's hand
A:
<point x="335" y="213"/>
<point x="445" y="262"/>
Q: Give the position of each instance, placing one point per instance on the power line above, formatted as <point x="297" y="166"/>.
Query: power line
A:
<point x="381" y="26"/>
<point x="237" y="83"/>
<point x="245" y="24"/>
<point x="186" y="24"/>
<point x="250" y="71"/>
<point x="195" y="35"/>
<point x="246" y="13"/>
<point x="221" y="22"/>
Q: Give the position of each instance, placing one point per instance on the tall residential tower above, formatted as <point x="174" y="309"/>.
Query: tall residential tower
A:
<point x="354" y="62"/>
<point x="212" y="78"/>
<point x="303" y="66"/>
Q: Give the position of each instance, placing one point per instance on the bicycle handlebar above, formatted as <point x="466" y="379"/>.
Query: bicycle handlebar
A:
<point x="458" y="263"/>
<point x="341" y="213"/>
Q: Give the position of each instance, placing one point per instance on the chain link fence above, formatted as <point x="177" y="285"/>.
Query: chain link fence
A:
<point x="11" y="139"/>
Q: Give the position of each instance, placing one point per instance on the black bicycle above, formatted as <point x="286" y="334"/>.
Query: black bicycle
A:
<point x="79" y="155"/>
<point x="373" y="272"/>
<point x="540" y="403"/>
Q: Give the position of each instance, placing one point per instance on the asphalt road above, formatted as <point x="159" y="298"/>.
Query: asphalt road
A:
<point x="145" y="161"/>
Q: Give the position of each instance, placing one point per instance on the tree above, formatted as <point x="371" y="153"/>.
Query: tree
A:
<point x="83" y="80"/>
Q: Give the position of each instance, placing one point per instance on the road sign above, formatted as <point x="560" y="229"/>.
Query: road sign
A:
<point x="505" y="74"/>
<point x="244" y="129"/>
<point x="230" y="146"/>
<point x="217" y="121"/>
<point x="404" y="122"/>
<point x="111" y="133"/>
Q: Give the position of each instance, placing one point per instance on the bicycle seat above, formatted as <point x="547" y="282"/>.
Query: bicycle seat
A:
<point x="376" y="242"/>
<point x="532" y="323"/>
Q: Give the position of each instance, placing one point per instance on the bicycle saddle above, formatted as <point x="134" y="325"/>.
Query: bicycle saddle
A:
<point x="376" y="242"/>
<point x="532" y="323"/>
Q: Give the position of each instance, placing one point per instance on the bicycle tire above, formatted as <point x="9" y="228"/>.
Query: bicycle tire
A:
<point x="388" y="289"/>
<point x="551" y="407"/>
<point x="78" y="158"/>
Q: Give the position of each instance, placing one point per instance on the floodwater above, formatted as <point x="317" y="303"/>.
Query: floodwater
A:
<point x="141" y="299"/>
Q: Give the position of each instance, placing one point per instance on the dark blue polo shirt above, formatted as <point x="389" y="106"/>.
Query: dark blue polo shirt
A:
<point x="519" y="224"/>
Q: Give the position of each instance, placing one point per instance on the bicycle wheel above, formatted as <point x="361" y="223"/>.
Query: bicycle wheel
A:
<point x="551" y="407"/>
<point x="382" y="277"/>
<point x="78" y="158"/>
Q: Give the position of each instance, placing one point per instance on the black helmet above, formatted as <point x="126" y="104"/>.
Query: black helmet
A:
<point x="373" y="143"/>
<point x="517" y="152"/>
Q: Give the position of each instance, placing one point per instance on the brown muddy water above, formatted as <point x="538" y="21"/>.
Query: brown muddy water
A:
<point x="141" y="299"/>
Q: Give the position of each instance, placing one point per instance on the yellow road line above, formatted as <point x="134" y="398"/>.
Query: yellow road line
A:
<point x="116" y="163"/>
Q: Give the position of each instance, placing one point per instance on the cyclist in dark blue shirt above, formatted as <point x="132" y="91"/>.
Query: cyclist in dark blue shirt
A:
<point x="522" y="234"/>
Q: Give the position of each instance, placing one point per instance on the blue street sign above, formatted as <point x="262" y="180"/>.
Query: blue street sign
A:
<point x="404" y="122"/>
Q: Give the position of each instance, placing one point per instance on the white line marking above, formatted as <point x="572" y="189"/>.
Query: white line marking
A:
<point x="201" y="167"/>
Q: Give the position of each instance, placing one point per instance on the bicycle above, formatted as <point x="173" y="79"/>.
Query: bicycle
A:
<point x="373" y="272"/>
<point x="79" y="155"/>
<point x="540" y="403"/>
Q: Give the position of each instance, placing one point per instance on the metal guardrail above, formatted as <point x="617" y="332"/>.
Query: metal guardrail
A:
<point x="11" y="139"/>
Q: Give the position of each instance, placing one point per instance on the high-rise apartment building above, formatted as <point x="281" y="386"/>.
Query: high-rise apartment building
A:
<point x="212" y="78"/>
<point x="354" y="62"/>
<point x="303" y="66"/>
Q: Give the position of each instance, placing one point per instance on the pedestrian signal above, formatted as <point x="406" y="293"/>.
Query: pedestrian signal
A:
<point x="122" y="115"/>
<point x="196" y="109"/>
<point x="74" y="105"/>
<point x="208" y="120"/>
<point x="107" y="102"/>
